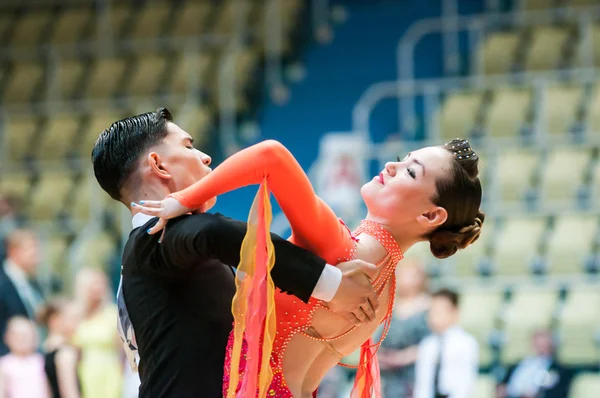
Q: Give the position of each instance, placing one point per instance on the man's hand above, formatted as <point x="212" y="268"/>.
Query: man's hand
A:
<point x="355" y="299"/>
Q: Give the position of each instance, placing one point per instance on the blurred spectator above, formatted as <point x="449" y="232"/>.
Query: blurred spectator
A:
<point x="61" y="319"/>
<point x="8" y="220"/>
<point x="447" y="363"/>
<point x="22" y="370"/>
<point x="101" y="368"/>
<point x="539" y="375"/>
<point x="399" y="350"/>
<point x="20" y="294"/>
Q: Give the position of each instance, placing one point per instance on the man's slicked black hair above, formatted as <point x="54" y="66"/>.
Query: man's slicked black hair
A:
<point x="119" y="148"/>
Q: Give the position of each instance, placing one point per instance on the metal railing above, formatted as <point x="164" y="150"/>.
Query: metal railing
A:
<point x="476" y="27"/>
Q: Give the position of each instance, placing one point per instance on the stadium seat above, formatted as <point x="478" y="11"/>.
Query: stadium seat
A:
<point x="498" y="52"/>
<point x="70" y="25"/>
<point x="559" y="108"/>
<point x="191" y="19"/>
<point x="584" y="3"/>
<point x="595" y="183"/>
<point x="49" y="195"/>
<point x="146" y="76"/>
<point x="514" y="173"/>
<point x="585" y="385"/>
<point x="530" y="308"/>
<point x="118" y="16"/>
<point x="31" y="28"/>
<point x="95" y="251"/>
<point x="518" y="244"/>
<point x="458" y="114"/>
<point x="151" y="21"/>
<point x="190" y="71"/>
<point x="579" y="327"/>
<point x="485" y="387"/>
<point x="66" y="79"/>
<point x="58" y="136"/>
<point x="593" y="111"/>
<point x="55" y="248"/>
<point x="559" y="183"/>
<point x="546" y="49"/>
<point x="24" y="83"/>
<point x="105" y="77"/>
<point x="196" y="121"/>
<point x="532" y="5"/>
<point x="225" y="20"/>
<point x="95" y="125"/>
<point x="571" y="242"/>
<point x="466" y="261"/>
<point x="80" y="204"/>
<point x="508" y="112"/>
<point x="19" y="132"/>
<point x="16" y="184"/>
<point x="479" y="311"/>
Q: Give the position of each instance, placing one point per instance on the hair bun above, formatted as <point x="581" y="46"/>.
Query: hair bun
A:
<point x="444" y="243"/>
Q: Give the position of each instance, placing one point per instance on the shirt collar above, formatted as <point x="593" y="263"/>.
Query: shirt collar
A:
<point x="140" y="219"/>
<point x="15" y="272"/>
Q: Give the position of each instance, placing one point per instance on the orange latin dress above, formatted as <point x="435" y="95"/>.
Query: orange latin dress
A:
<point x="257" y="333"/>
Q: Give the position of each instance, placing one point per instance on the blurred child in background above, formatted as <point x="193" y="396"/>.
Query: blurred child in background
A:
<point x="22" y="370"/>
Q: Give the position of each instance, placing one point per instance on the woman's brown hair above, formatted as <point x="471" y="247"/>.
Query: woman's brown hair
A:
<point x="460" y="194"/>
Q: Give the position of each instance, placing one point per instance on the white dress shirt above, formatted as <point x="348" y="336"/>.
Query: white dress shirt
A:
<point x="529" y="376"/>
<point x="326" y="287"/>
<point x="459" y="364"/>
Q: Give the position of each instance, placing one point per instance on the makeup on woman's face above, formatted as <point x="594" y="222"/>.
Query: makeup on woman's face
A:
<point x="406" y="186"/>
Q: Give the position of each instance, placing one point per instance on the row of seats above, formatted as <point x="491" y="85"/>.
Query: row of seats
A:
<point x="110" y="77"/>
<point x="585" y="385"/>
<point x="559" y="110"/>
<point x="518" y="174"/>
<point x="507" y="321"/>
<point x="521" y="245"/>
<point x="64" y="26"/>
<point x="64" y="135"/>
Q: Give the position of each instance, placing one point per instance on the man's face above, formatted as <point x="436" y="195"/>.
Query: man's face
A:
<point x="542" y="343"/>
<point x="184" y="163"/>
<point x="26" y="254"/>
<point x="442" y="314"/>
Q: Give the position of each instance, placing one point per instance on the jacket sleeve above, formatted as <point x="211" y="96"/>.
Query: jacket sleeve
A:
<point x="189" y="240"/>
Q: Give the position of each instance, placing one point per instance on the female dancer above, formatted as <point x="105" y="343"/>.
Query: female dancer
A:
<point x="432" y="194"/>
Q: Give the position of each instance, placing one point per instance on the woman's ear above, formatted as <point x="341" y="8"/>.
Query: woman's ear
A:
<point x="157" y="166"/>
<point x="433" y="218"/>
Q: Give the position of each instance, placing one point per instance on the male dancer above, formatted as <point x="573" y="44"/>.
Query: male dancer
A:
<point x="176" y="290"/>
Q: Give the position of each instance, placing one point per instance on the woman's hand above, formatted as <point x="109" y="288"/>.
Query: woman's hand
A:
<point x="164" y="209"/>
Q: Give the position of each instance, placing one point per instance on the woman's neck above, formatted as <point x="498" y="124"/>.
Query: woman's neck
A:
<point x="400" y="234"/>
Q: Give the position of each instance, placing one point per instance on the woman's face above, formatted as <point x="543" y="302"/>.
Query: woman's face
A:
<point x="402" y="192"/>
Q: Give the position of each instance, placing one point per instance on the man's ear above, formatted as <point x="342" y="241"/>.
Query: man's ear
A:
<point x="157" y="166"/>
<point x="433" y="218"/>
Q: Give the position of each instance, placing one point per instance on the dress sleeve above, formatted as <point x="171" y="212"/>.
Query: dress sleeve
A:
<point x="314" y="224"/>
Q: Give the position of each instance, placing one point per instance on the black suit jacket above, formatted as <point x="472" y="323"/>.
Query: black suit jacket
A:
<point x="178" y="294"/>
<point x="10" y="305"/>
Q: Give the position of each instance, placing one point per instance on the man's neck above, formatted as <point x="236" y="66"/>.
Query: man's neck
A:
<point x="146" y="192"/>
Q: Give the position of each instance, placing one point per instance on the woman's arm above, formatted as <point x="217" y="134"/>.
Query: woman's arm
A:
<point x="314" y="225"/>
<point x="66" y="372"/>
